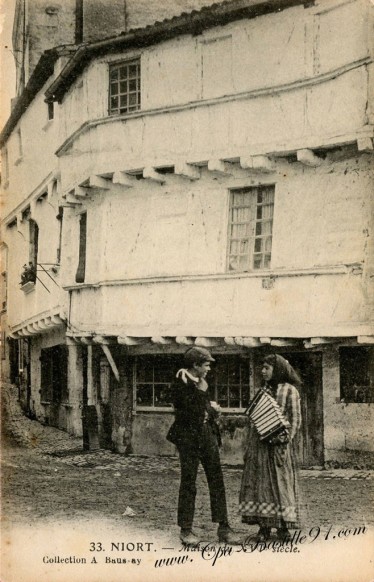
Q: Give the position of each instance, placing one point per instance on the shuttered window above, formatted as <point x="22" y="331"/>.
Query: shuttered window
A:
<point x="81" y="270"/>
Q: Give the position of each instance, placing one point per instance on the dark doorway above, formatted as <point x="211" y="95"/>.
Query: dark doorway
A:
<point x="309" y="367"/>
<point x="54" y="385"/>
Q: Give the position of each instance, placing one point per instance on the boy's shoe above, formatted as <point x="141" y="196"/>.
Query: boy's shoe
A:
<point x="227" y="535"/>
<point x="188" y="537"/>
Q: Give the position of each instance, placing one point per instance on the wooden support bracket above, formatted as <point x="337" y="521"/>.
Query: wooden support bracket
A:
<point x="123" y="179"/>
<point x="184" y="341"/>
<point x="150" y="173"/>
<point x="131" y="341"/>
<point x="164" y="341"/>
<point x="219" y="167"/>
<point x="248" y="342"/>
<point x="187" y="171"/>
<point x="283" y="342"/>
<point x="257" y="164"/>
<point x="111" y="361"/>
<point x="365" y="339"/>
<point x="365" y="144"/>
<point x="308" y="158"/>
<point x="98" y="182"/>
<point x="206" y="342"/>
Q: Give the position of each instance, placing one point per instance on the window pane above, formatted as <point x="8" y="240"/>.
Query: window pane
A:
<point x="123" y="72"/>
<point x="222" y="396"/>
<point x="234" y="246"/>
<point x="268" y="244"/>
<point x="257" y="262"/>
<point x="234" y="397"/>
<point x="258" y="244"/>
<point x="113" y="74"/>
<point x="133" y="70"/>
<point x="133" y="85"/>
<point x="267" y="261"/>
<point x="268" y="195"/>
<point x="267" y="211"/>
<point x="114" y="88"/>
<point x="233" y="263"/>
<point x="266" y="227"/>
<point x="123" y="87"/>
<point x="243" y="263"/>
<point x="144" y="369"/>
<point x="244" y="246"/>
<point x="132" y="99"/>
<point x="162" y="395"/>
<point x="233" y="372"/>
<point x="244" y="373"/>
<point x="245" y="396"/>
<point x="114" y="102"/>
<point x="144" y="394"/>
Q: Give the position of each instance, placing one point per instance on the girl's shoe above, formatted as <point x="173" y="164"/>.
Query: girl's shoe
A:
<point x="283" y="534"/>
<point x="263" y="534"/>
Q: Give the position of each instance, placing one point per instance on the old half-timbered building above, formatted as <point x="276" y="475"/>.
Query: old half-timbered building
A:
<point x="205" y="180"/>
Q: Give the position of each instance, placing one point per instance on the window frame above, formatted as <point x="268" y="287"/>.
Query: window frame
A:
<point x="80" y="275"/>
<point x="251" y="237"/>
<point x="136" y="60"/>
<point x="168" y="409"/>
<point x="355" y="354"/>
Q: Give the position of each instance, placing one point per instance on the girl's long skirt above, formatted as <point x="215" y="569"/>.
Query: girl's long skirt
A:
<point x="269" y="488"/>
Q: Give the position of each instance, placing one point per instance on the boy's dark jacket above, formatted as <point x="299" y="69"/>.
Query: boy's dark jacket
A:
<point x="190" y="405"/>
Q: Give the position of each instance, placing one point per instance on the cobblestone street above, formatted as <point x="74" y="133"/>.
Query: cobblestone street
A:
<point x="46" y="475"/>
<point x="66" y="498"/>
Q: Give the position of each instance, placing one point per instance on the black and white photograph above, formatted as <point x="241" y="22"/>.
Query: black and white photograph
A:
<point x="186" y="280"/>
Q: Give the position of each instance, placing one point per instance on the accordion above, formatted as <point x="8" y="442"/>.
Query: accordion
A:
<point x="267" y="417"/>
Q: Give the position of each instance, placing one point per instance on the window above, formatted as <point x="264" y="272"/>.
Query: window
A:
<point x="51" y="110"/>
<point x="153" y="376"/>
<point x="124" y="88"/>
<point x="54" y="386"/>
<point x="250" y="228"/>
<point x="81" y="270"/>
<point x="4" y="276"/>
<point x="356" y="374"/>
<point x="19" y="150"/>
<point x="5" y="166"/>
<point x="59" y="217"/>
<point x="34" y="242"/>
<point x="228" y="380"/>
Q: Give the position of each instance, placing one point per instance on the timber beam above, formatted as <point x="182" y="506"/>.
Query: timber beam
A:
<point x="123" y="179"/>
<point x="187" y="171"/>
<point x="308" y="158"/>
<point x="184" y="340"/>
<point x="261" y="164"/>
<point x="150" y="173"/>
<point x="220" y="167"/>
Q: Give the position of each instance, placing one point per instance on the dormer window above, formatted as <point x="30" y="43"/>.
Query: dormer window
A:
<point x="124" y="87"/>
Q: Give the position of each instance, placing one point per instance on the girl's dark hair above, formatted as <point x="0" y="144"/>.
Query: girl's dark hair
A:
<point x="283" y="372"/>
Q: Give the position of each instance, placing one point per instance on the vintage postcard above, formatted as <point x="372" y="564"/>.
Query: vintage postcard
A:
<point x="187" y="267"/>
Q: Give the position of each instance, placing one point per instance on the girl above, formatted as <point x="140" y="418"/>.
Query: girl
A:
<point x="269" y="489"/>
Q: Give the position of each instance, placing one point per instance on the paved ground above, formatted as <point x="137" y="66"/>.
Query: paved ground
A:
<point x="57" y="500"/>
<point x="46" y="475"/>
